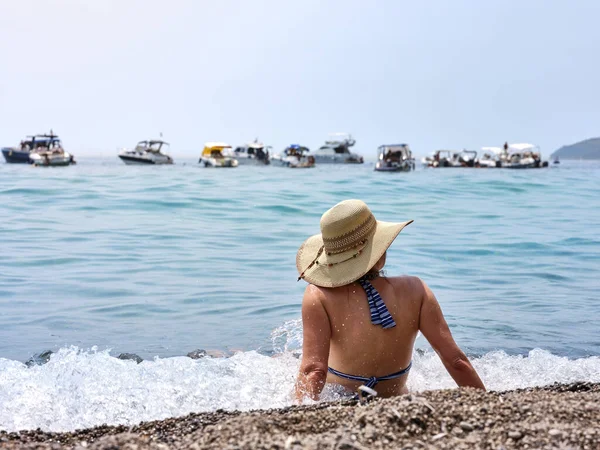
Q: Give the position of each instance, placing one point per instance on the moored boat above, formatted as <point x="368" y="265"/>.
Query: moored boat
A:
<point x="294" y="156"/>
<point x="51" y="153"/>
<point x="52" y="158"/>
<point x="336" y="150"/>
<point x="217" y="154"/>
<point x="442" y="158"/>
<point x="254" y="153"/>
<point x="521" y="156"/>
<point x="47" y="147"/>
<point x="146" y="153"/>
<point x="17" y="155"/>
<point x="451" y="158"/>
<point x="394" y="158"/>
<point x="490" y="158"/>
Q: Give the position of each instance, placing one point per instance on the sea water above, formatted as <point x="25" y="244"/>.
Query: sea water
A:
<point x="101" y="258"/>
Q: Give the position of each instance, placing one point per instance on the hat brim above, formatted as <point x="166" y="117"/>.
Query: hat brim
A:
<point x="340" y="274"/>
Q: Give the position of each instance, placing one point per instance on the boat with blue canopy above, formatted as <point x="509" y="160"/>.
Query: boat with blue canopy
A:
<point x="294" y="156"/>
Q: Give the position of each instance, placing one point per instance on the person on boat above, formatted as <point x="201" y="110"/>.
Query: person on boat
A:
<point x="359" y="326"/>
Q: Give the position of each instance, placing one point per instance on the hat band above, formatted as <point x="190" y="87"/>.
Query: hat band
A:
<point x="314" y="261"/>
<point x="359" y="248"/>
<point x="351" y="239"/>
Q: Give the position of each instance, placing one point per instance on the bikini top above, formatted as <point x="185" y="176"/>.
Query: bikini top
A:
<point x="379" y="312"/>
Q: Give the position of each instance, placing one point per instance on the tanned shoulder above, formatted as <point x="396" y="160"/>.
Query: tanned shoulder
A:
<point x="314" y="292"/>
<point x="412" y="285"/>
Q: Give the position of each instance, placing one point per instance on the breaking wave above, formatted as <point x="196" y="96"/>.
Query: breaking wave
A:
<point x="83" y="388"/>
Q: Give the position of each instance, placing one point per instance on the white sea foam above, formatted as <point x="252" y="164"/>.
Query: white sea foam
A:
<point x="78" y="389"/>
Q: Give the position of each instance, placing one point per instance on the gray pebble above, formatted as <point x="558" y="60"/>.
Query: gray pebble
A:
<point x="466" y="426"/>
<point x="515" y="435"/>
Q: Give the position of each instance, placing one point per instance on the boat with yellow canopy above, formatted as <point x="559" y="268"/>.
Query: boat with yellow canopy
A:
<point x="217" y="154"/>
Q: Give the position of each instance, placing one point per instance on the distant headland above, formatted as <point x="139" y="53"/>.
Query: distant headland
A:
<point x="587" y="149"/>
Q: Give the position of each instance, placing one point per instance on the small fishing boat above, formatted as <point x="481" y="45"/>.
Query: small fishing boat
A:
<point x="146" y="152"/>
<point x="48" y="146"/>
<point x="556" y="160"/>
<point x="394" y="158"/>
<point x="217" y="154"/>
<point x="254" y="153"/>
<point x="336" y="150"/>
<point x="295" y="157"/>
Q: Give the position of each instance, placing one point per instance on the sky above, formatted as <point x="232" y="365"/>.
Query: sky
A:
<point x="440" y="74"/>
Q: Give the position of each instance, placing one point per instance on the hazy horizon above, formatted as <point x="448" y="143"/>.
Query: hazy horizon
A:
<point x="104" y="75"/>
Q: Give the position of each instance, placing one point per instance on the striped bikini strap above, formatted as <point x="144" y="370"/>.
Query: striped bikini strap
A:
<point x="370" y="381"/>
<point x="379" y="312"/>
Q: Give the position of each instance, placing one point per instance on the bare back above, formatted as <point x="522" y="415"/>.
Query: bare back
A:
<point x="338" y="333"/>
<point x="360" y="348"/>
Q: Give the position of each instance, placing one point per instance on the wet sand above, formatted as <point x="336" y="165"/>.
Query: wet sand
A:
<point x="553" y="417"/>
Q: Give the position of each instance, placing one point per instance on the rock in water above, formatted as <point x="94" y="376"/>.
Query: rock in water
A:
<point x="39" y="358"/>
<point x="132" y="356"/>
<point x="197" y="354"/>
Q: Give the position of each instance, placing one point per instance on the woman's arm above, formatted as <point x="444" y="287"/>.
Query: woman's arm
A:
<point x="315" y="345"/>
<point x="435" y="329"/>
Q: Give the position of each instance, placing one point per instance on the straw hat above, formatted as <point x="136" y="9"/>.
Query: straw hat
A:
<point x="350" y="244"/>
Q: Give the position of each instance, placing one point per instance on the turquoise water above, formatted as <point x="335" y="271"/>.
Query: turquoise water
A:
<point x="102" y="258"/>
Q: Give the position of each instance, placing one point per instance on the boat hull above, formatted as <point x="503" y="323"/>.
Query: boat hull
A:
<point x="219" y="163"/>
<point x="136" y="161"/>
<point x="488" y="164"/>
<point x="51" y="160"/>
<point x="521" y="166"/>
<point x="293" y="162"/>
<point x="133" y="161"/>
<point x="302" y="166"/>
<point x="406" y="166"/>
<point x="244" y="161"/>
<point x="338" y="159"/>
<point x="14" y="156"/>
<point x="527" y="164"/>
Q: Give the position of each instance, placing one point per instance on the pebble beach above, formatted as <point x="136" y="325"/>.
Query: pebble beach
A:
<point x="560" y="416"/>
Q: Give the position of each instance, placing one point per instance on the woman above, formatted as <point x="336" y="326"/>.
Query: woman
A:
<point x="359" y="326"/>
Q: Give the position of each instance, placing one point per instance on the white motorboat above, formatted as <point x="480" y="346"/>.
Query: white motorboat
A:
<point x="49" y="152"/>
<point x="147" y="152"/>
<point x="442" y="158"/>
<point x="217" y="154"/>
<point x="295" y="157"/>
<point x="51" y="158"/>
<point x="521" y="156"/>
<point x="254" y="153"/>
<point x="490" y="158"/>
<point x="336" y="150"/>
<point x="394" y="158"/>
<point x="451" y="158"/>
